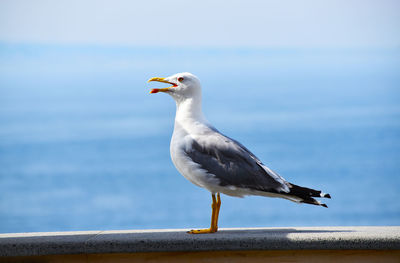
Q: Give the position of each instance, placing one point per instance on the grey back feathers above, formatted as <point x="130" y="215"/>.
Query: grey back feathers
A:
<point x="235" y="166"/>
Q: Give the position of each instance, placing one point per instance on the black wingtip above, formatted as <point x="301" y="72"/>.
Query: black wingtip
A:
<point x="324" y="205"/>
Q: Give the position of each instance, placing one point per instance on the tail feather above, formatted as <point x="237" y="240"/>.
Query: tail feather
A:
<point x="306" y="194"/>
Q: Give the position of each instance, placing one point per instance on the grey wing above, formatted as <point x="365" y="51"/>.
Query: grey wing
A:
<point x="233" y="164"/>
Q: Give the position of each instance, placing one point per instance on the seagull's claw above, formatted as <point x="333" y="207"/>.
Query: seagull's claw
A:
<point x="216" y="204"/>
<point x="202" y="231"/>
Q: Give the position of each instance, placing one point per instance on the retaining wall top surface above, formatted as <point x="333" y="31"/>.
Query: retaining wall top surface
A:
<point x="173" y="240"/>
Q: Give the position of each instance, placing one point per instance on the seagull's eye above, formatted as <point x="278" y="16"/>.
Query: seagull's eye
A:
<point x="180" y="79"/>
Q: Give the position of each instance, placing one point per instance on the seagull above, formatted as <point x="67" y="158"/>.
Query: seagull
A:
<point x="211" y="160"/>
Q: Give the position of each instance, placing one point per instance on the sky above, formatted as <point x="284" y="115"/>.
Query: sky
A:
<point x="176" y="23"/>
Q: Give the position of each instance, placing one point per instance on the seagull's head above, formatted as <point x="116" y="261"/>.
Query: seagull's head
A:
<point x="184" y="86"/>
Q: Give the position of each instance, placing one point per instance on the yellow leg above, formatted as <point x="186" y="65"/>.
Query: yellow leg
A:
<point x="217" y="212"/>
<point x="216" y="204"/>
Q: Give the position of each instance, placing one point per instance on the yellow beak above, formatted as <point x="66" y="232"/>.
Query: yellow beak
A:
<point x="161" y="80"/>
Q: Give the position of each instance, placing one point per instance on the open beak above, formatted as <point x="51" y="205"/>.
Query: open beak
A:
<point x="163" y="89"/>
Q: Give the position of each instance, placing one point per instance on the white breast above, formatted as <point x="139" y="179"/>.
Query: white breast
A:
<point x="180" y="142"/>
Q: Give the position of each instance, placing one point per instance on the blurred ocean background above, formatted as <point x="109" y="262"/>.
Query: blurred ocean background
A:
<point x="83" y="145"/>
<point x="310" y="87"/>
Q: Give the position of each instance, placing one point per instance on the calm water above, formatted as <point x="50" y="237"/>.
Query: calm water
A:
<point x="83" y="146"/>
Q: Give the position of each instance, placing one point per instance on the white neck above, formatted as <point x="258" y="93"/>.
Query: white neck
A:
<point x="189" y="110"/>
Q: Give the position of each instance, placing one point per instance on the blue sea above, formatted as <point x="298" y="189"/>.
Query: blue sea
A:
<point x="84" y="146"/>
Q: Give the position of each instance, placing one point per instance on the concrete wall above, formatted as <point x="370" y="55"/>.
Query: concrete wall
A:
<point x="305" y="244"/>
